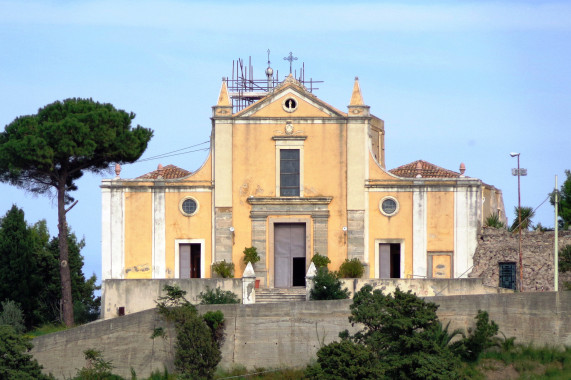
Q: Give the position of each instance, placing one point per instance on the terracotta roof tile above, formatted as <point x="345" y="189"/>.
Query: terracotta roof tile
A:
<point x="426" y="169"/>
<point x="168" y="172"/>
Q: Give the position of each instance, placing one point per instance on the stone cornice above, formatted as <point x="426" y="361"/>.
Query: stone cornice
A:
<point x="286" y="201"/>
<point x="170" y="185"/>
<point x="286" y="137"/>
<point x="415" y="183"/>
<point x="263" y="214"/>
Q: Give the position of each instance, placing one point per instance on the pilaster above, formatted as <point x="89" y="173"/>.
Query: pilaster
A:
<point x="419" y="228"/>
<point x="159" y="231"/>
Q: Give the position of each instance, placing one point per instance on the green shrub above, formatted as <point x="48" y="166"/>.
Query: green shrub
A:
<point x="217" y="296"/>
<point x="351" y="268"/>
<point x="12" y="315"/>
<point x="320" y="261"/>
<point x="251" y="255"/>
<point x="215" y="321"/>
<point x="478" y="339"/>
<point x="15" y="361"/>
<point x="83" y="313"/>
<point x="398" y="332"/>
<point x="493" y="220"/>
<point x="327" y="286"/>
<point x="565" y="259"/>
<point x="96" y="367"/>
<point x="196" y="351"/>
<point x="223" y="269"/>
<point x="344" y="360"/>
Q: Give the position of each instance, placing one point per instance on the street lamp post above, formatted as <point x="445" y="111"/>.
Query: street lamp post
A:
<point x="519" y="173"/>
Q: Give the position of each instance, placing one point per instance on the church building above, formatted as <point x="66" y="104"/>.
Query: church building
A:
<point x="294" y="176"/>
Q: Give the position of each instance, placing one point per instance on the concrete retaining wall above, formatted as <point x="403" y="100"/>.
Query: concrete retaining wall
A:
<point x="139" y="295"/>
<point x="289" y="334"/>
<point x="425" y="287"/>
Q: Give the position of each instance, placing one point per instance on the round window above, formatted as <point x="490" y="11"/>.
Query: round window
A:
<point x="188" y="206"/>
<point x="389" y="206"/>
<point x="289" y="104"/>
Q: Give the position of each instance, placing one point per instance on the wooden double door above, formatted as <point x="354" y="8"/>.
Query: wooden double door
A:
<point x="289" y="255"/>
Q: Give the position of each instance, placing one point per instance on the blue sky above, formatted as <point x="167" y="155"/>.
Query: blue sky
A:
<point x="455" y="81"/>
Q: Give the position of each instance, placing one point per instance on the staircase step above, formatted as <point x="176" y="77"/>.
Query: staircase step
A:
<point x="276" y="295"/>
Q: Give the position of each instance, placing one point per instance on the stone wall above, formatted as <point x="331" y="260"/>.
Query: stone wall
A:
<point x="289" y="334"/>
<point x="136" y="295"/>
<point x="499" y="245"/>
<point x="425" y="287"/>
<point x="356" y="235"/>
<point x="223" y="235"/>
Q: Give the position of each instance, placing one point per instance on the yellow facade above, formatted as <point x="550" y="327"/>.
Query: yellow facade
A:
<point x="290" y="162"/>
<point x="138" y="233"/>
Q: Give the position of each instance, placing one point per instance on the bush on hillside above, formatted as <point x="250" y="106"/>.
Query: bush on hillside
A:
<point x="15" y="361"/>
<point x="327" y="286"/>
<point x="217" y="296"/>
<point x="344" y="360"/>
<point x="478" y="339"/>
<point x="396" y="340"/>
<point x="96" y="368"/>
<point x="197" y="353"/>
<point x="565" y="258"/>
<point x="12" y="315"/>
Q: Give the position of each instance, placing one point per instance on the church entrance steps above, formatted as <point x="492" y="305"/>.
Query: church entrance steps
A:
<point x="276" y="295"/>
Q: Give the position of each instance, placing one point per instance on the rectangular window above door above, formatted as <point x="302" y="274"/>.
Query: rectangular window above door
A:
<point x="289" y="173"/>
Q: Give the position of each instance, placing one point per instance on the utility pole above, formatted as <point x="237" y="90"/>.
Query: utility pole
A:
<point x="556" y="245"/>
<point x="519" y="172"/>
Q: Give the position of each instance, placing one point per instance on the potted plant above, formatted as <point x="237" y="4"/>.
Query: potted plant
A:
<point x="223" y="269"/>
<point x="251" y="256"/>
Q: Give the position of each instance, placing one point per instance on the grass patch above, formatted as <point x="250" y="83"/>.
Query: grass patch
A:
<point x="46" y="329"/>
<point x="529" y="362"/>
<point x="260" y="374"/>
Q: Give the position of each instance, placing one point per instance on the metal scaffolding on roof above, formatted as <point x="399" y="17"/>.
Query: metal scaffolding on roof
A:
<point x="244" y="89"/>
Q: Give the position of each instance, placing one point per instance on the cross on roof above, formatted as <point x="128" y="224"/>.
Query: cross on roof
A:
<point x="290" y="58"/>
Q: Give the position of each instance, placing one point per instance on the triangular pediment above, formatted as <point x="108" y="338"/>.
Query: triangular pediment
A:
<point x="290" y="99"/>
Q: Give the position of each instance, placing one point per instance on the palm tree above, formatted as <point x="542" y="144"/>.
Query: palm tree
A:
<point x="526" y="214"/>
<point x="442" y="337"/>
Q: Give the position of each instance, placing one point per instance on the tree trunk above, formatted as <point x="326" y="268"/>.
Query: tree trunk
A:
<point x="65" y="276"/>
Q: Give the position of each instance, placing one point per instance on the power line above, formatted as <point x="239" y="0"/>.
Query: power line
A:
<point x="532" y="212"/>
<point x="174" y="152"/>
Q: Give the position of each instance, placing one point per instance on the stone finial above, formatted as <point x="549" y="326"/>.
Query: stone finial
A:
<point x="249" y="271"/>
<point x="312" y="271"/>
<point x="418" y="169"/>
<point x="224" y="98"/>
<point x="117" y="170"/>
<point x="462" y="169"/>
<point x="309" y="284"/>
<point x="356" y="96"/>
<point x="160" y="171"/>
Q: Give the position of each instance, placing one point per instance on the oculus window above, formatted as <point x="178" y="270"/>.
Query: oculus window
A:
<point x="389" y="206"/>
<point x="289" y="104"/>
<point x="188" y="206"/>
<point x="289" y="173"/>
